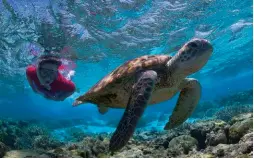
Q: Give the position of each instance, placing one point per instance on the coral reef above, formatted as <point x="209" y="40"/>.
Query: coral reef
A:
<point x="226" y="107"/>
<point x="201" y="139"/>
<point x="240" y="127"/>
<point x="205" y="109"/>
<point x="207" y="138"/>
<point x="225" y="129"/>
<point x="76" y="133"/>
<point x="17" y="135"/>
<point x="227" y="112"/>
<point x="240" y="98"/>
<point x="3" y="149"/>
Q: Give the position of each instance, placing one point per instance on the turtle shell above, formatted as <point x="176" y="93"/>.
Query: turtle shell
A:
<point x="120" y="80"/>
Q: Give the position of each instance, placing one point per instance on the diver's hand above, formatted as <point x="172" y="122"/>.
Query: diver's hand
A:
<point x="47" y="96"/>
<point x="55" y="98"/>
<point x="52" y="97"/>
<point x="70" y="75"/>
<point x="47" y="86"/>
<point x="59" y="96"/>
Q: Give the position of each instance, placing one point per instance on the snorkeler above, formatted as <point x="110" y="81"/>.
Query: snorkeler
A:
<point x="45" y="78"/>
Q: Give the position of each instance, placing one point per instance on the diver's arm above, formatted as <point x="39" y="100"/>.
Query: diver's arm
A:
<point x="60" y="96"/>
<point x="29" y="75"/>
<point x="32" y="85"/>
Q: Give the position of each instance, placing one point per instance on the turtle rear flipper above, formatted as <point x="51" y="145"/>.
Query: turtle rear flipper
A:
<point x="138" y="100"/>
<point x="186" y="104"/>
<point x="102" y="109"/>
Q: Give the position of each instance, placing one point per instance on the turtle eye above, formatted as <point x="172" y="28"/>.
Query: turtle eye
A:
<point x="193" y="44"/>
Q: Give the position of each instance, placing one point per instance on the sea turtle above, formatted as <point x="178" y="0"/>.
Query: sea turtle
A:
<point x="147" y="80"/>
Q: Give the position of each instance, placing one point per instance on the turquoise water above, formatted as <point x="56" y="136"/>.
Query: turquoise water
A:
<point x="104" y="34"/>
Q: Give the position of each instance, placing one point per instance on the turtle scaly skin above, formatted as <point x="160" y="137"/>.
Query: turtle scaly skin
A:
<point x="148" y="80"/>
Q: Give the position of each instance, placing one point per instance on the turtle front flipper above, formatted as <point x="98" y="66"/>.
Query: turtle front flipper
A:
<point x="187" y="102"/>
<point x="140" y="95"/>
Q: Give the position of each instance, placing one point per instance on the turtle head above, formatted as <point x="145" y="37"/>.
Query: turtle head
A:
<point x="193" y="55"/>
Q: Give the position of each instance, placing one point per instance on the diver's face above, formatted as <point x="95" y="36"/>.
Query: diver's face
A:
<point x="47" y="73"/>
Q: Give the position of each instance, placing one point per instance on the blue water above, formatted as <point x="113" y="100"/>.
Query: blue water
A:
<point x="104" y="34"/>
